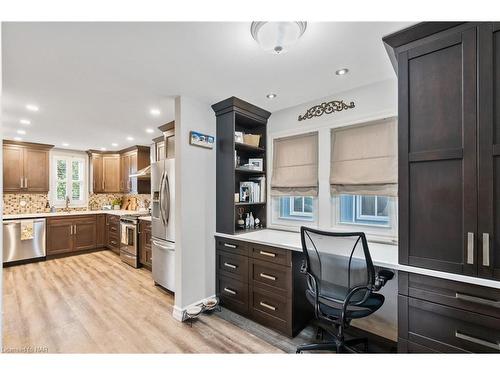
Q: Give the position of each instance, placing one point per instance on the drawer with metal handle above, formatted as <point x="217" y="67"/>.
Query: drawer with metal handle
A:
<point x="233" y="294"/>
<point x="270" y="276"/>
<point x="232" y="246"/>
<point x="464" y="296"/>
<point x="271" y="309"/>
<point x="448" y="329"/>
<point x="232" y="265"/>
<point x="271" y="254"/>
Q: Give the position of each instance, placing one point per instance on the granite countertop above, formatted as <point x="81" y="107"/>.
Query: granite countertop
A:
<point x="71" y="213"/>
<point x="145" y="218"/>
<point x="383" y="255"/>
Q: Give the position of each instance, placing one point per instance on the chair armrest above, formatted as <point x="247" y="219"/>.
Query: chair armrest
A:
<point x="382" y="277"/>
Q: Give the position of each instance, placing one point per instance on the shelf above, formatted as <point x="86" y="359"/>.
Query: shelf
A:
<point x="249" y="171"/>
<point x="249" y="204"/>
<point x="244" y="147"/>
<point x="242" y="231"/>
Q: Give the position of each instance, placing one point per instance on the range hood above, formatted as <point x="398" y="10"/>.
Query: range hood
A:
<point x="143" y="174"/>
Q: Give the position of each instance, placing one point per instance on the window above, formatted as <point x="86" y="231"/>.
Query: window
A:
<point x="68" y="180"/>
<point x="296" y="208"/>
<point x="364" y="209"/>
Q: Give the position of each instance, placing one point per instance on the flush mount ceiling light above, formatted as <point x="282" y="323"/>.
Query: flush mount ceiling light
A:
<point x="271" y="96"/>
<point x="24" y="121"/>
<point x="277" y="37"/>
<point x="154" y="112"/>
<point x="32" y="107"/>
<point x="342" y="71"/>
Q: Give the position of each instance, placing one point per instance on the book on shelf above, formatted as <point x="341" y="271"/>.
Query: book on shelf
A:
<point x="253" y="190"/>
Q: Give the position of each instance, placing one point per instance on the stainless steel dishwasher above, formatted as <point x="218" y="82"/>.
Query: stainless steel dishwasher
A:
<point x="15" y="247"/>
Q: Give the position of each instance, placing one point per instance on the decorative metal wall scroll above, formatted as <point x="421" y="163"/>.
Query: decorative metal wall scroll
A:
<point x="330" y="107"/>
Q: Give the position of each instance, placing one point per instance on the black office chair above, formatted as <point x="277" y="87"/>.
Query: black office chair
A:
<point x="341" y="284"/>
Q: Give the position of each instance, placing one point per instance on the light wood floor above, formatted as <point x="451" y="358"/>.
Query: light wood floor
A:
<point x="94" y="303"/>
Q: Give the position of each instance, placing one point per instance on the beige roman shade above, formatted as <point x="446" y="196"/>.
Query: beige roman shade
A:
<point x="364" y="159"/>
<point x="295" y="165"/>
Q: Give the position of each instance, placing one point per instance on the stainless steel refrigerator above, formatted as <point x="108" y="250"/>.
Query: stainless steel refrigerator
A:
<point x="162" y="222"/>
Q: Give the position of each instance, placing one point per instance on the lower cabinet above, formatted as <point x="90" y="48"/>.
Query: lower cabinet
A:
<point x="263" y="283"/>
<point x="101" y="234"/>
<point x="112" y="233"/>
<point x="145" y="251"/>
<point x="445" y="316"/>
<point x="70" y="234"/>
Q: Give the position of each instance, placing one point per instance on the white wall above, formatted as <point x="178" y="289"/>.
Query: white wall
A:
<point x="372" y="102"/>
<point x="195" y="205"/>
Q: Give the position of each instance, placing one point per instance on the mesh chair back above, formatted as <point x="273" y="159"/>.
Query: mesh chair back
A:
<point x="338" y="262"/>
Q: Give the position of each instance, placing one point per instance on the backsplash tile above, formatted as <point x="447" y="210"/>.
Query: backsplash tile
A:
<point x="36" y="203"/>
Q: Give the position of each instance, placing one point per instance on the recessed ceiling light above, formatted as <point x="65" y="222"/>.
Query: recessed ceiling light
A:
<point x="130" y="138"/>
<point x="149" y="130"/>
<point x="114" y="144"/>
<point x="271" y="96"/>
<point x="32" y="107"/>
<point x="154" y="112"/>
<point x="65" y="144"/>
<point x="18" y="139"/>
<point x="342" y="71"/>
<point x="21" y="132"/>
<point x="24" y="121"/>
<point x="103" y="148"/>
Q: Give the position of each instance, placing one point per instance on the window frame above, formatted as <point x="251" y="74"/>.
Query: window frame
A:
<point x="69" y="157"/>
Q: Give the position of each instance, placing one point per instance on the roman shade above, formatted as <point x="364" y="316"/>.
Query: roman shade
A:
<point x="364" y="159"/>
<point x="295" y="165"/>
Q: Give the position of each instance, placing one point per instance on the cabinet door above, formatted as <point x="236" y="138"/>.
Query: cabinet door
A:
<point x="111" y="174"/>
<point x="125" y="172"/>
<point x="489" y="150"/>
<point x="437" y="154"/>
<point x="132" y="182"/>
<point x="84" y="232"/>
<point x="36" y="170"/>
<point x="170" y="143"/>
<point x="97" y="176"/>
<point x="100" y="230"/>
<point x="12" y="168"/>
<point x="59" y="236"/>
<point x="145" y="253"/>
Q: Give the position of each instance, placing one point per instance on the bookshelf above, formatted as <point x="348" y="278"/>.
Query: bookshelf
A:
<point x="235" y="115"/>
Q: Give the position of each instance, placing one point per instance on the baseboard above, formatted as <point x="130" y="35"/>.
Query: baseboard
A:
<point x="180" y="313"/>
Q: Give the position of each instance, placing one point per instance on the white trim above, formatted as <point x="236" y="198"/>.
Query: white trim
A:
<point x="180" y="313"/>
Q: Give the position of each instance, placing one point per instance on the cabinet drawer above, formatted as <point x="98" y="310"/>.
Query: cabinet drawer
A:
<point x="274" y="277"/>
<point x="113" y="219"/>
<point x="270" y="309"/>
<point x="114" y="229"/>
<point x="271" y="254"/>
<point x="114" y="242"/>
<point x="233" y="294"/>
<point x="469" y="297"/>
<point x="447" y="329"/>
<point x="232" y="265"/>
<point x="231" y="246"/>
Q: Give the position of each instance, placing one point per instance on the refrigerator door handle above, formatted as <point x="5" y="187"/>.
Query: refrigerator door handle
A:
<point x="161" y="198"/>
<point x="167" y="192"/>
<point x="162" y="246"/>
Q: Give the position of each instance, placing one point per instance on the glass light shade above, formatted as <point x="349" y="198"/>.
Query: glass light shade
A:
<point x="277" y="37"/>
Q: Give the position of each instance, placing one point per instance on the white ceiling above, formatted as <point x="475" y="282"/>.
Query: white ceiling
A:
<point x="95" y="82"/>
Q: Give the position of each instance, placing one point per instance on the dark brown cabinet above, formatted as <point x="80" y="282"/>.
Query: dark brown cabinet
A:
<point x="145" y="251"/>
<point x="132" y="160"/>
<point x="25" y="167"/>
<point x="100" y="230"/>
<point x="263" y="283"/>
<point x="112" y="233"/>
<point x="105" y="173"/>
<point x="71" y="234"/>
<point x="449" y="113"/>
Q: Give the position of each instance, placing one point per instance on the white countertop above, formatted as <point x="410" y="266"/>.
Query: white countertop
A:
<point x="71" y="213"/>
<point x="145" y="218"/>
<point x="383" y="255"/>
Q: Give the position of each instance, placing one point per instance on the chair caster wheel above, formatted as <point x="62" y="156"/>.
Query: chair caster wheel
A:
<point x="298" y="351"/>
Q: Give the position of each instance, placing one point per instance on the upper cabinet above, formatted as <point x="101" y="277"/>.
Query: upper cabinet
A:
<point x="165" y="145"/>
<point x="25" y="167"/>
<point x="449" y="146"/>
<point x="111" y="171"/>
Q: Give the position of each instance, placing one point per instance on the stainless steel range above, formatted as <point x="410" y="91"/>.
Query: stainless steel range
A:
<point x="129" y="239"/>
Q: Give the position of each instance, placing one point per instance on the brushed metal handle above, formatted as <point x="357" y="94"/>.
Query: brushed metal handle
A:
<point x="26" y="182"/>
<point x="75" y="229"/>
<point x="480" y="300"/>
<point x="267" y="254"/>
<point x="22" y="182"/>
<point x="486" y="249"/>
<point x="470" y="248"/>
<point x="475" y="340"/>
<point x="266" y="276"/>
<point x="229" y="245"/>
<point x="267" y="306"/>
<point x="230" y="265"/>
<point x="230" y="291"/>
<point x="71" y="230"/>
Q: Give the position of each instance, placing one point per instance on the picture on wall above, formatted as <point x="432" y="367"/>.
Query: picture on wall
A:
<point x="201" y="140"/>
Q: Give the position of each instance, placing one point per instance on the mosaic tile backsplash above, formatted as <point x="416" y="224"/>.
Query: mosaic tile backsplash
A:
<point x="36" y="203"/>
